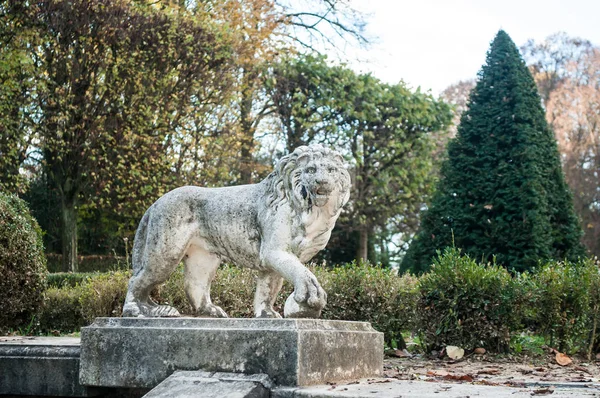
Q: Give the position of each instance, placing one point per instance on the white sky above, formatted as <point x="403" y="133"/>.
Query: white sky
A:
<point x="434" y="43"/>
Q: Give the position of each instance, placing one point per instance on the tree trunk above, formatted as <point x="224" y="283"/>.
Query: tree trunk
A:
<point x="247" y="127"/>
<point x="69" y="236"/>
<point x="363" y="245"/>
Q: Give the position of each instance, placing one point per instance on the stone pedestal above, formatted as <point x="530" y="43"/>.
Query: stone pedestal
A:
<point x="142" y="352"/>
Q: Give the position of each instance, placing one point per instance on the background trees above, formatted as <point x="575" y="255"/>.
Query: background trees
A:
<point x="109" y="87"/>
<point x="386" y="132"/>
<point x="502" y="194"/>
<point x="566" y="70"/>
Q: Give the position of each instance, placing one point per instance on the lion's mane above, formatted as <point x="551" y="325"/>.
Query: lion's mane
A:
<point x="284" y="183"/>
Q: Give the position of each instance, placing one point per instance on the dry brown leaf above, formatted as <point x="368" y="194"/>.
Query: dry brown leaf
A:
<point x="582" y="369"/>
<point x="400" y="354"/>
<point x="489" y="371"/>
<point x="454" y="352"/>
<point x="542" y="391"/>
<point x="562" y="359"/>
<point x="467" y="378"/>
<point x="437" y="373"/>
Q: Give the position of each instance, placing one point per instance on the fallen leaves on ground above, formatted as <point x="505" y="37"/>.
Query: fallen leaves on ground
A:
<point x="492" y="370"/>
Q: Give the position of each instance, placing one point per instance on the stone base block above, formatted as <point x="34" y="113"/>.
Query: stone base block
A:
<point x="142" y="352"/>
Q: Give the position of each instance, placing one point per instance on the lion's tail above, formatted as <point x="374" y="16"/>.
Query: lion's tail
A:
<point x="139" y="243"/>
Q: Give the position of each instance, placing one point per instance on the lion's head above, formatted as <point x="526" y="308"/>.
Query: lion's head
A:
<point x="310" y="176"/>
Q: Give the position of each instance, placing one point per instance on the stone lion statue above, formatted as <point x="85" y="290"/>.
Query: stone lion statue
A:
<point x="274" y="226"/>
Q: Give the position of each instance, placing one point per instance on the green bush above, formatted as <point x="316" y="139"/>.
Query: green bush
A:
<point x="359" y="293"/>
<point x="104" y="295"/>
<point x="61" y="311"/>
<point x="371" y="294"/>
<point x="67" y="308"/>
<point x="22" y="264"/>
<point x="466" y="304"/>
<point x="566" y="304"/>
<point x="59" y="279"/>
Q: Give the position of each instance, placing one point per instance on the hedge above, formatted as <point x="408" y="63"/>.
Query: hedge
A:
<point x="22" y="264"/>
<point x="459" y="302"/>
<point x="356" y="292"/>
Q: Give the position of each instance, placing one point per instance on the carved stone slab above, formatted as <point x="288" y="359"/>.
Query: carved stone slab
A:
<point x="142" y="352"/>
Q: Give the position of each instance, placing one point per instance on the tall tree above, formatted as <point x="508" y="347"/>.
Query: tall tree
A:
<point x="113" y="81"/>
<point x="384" y="130"/>
<point x="502" y="192"/>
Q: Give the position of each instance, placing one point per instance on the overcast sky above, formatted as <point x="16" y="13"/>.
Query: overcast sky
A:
<point x="434" y="43"/>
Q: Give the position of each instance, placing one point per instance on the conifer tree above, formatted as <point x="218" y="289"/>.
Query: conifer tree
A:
<point x="502" y="192"/>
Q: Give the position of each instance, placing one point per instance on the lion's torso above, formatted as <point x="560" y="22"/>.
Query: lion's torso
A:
<point x="233" y="222"/>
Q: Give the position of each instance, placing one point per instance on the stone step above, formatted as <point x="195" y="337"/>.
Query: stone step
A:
<point x="194" y="384"/>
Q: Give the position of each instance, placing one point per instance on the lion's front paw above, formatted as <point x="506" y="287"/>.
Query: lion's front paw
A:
<point x="211" y="311"/>
<point x="294" y="309"/>
<point x="310" y="293"/>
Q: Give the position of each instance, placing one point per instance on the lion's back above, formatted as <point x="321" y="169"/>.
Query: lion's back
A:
<point x="222" y="220"/>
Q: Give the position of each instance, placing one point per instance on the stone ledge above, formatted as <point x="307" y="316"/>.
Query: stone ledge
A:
<point x="142" y="352"/>
<point x="40" y="367"/>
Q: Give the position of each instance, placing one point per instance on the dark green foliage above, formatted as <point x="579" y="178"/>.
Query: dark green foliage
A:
<point x="502" y="192"/>
<point x="467" y="304"/>
<point x="68" y="308"/>
<point x="387" y="133"/>
<point x="22" y="264"/>
<point x="566" y="304"/>
<point x="72" y="279"/>
<point x="62" y="311"/>
<point x="371" y="294"/>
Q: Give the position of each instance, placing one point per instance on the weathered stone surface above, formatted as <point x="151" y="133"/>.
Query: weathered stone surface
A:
<point x="193" y="384"/>
<point x="40" y="367"/>
<point x="142" y="352"/>
<point x="275" y="226"/>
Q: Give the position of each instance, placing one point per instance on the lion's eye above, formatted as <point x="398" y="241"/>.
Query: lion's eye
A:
<point x="311" y="170"/>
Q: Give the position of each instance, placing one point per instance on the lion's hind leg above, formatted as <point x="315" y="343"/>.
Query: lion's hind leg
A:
<point x="156" y="255"/>
<point x="200" y="269"/>
<point x="138" y="302"/>
<point x="268" y="286"/>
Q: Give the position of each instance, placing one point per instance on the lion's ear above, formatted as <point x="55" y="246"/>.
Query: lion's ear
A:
<point x="302" y="153"/>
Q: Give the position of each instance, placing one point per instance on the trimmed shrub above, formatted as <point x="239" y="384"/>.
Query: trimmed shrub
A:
<point x="566" y="304"/>
<point x="358" y="293"/>
<point x="371" y="294"/>
<point x="104" y="295"/>
<point x="61" y="311"/>
<point x="22" y="264"/>
<point x="59" y="279"/>
<point x="466" y="304"/>
<point x="67" y="308"/>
